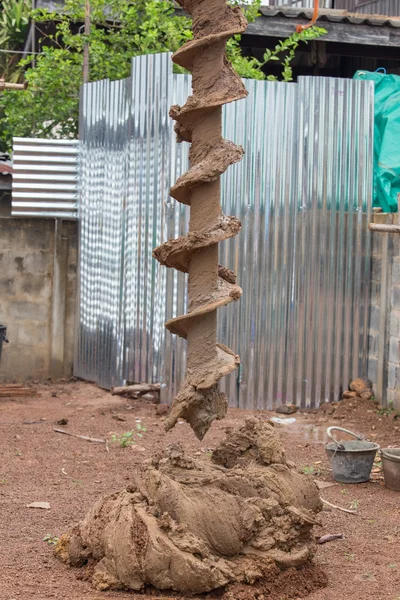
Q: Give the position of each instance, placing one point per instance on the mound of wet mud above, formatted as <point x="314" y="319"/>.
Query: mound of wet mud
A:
<point x="196" y="525"/>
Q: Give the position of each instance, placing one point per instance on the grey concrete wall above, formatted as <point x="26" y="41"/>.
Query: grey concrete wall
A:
<point x="384" y="334"/>
<point x="38" y="259"/>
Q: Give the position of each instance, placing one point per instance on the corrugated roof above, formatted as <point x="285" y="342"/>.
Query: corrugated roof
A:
<point x="376" y="7"/>
<point x="44" y="179"/>
<point x="331" y="15"/>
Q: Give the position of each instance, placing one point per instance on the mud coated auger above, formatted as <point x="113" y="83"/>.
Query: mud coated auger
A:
<point x="211" y="286"/>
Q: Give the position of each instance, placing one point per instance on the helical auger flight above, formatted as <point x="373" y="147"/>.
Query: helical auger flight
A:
<point x="210" y="285"/>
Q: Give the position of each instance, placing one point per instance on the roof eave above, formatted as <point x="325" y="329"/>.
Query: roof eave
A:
<point x="278" y="23"/>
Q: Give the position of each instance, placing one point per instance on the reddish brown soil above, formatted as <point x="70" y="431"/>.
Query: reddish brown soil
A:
<point x="40" y="465"/>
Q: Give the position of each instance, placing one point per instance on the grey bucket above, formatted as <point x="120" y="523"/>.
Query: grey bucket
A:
<point x="351" y="460"/>
<point x="391" y="468"/>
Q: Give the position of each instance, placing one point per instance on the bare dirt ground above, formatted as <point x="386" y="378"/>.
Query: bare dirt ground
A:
<point x="38" y="464"/>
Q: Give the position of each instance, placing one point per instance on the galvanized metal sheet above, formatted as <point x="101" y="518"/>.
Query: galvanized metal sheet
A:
<point x="303" y="193"/>
<point x="389" y="8"/>
<point x="45" y="178"/>
<point x="298" y="3"/>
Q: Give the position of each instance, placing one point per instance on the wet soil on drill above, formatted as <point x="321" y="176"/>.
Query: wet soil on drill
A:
<point x="38" y="464"/>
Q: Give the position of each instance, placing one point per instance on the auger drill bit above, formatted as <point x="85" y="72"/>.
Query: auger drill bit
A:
<point x="199" y="121"/>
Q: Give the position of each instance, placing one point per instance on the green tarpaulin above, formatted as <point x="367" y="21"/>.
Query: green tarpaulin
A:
<point x="386" y="138"/>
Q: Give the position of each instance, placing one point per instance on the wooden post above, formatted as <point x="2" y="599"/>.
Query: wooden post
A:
<point x="59" y="299"/>
<point x="12" y="86"/>
<point x="33" y="29"/>
<point x="86" y="48"/>
<point x="383" y="346"/>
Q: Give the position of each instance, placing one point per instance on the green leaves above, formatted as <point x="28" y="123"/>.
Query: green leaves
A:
<point x="120" y="29"/>
<point x="14" y="21"/>
<point x="14" y="24"/>
<point x="289" y="47"/>
<point x="128" y="438"/>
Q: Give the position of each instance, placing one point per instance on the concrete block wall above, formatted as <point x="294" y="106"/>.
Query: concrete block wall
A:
<point x="384" y="330"/>
<point x="38" y="260"/>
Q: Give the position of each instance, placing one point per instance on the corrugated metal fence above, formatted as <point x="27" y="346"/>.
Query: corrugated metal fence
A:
<point x="44" y="178"/>
<point x="372" y="7"/>
<point x="298" y="3"/>
<point x="303" y="193"/>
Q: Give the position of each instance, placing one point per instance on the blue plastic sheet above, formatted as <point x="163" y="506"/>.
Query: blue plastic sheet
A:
<point x="386" y="138"/>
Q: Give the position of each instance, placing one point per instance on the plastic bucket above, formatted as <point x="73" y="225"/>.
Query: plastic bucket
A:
<point x="391" y="468"/>
<point x="3" y="338"/>
<point x="351" y="460"/>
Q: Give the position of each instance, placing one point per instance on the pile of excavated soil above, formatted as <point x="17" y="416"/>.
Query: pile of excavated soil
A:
<point x="358" y="411"/>
<point x="285" y="585"/>
<point x="358" y="401"/>
<point x="192" y="526"/>
<point x="351" y="408"/>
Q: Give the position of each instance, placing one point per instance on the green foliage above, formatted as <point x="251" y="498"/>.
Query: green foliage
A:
<point x="129" y="437"/>
<point x="120" y="30"/>
<point x="14" y="24"/>
<point x="354" y="505"/>
<point x="50" y="105"/>
<point x="310" y="470"/>
<point x="284" y="53"/>
<point x="288" y="47"/>
<point x="388" y="411"/>
<point x="51" y="539"/>
<point x="349" y="555"/>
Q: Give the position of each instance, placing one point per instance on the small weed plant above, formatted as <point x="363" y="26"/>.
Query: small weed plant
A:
<point x="78" y="482"/>
<point x="50" y="539"/>
<point x="129" y="438"/>
<point x="387" y="411"/>
<point x="311" y="470"/>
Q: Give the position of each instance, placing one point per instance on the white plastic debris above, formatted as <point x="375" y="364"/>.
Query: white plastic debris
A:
<point x="283" y="421"/>
<point x="44" y="505"/>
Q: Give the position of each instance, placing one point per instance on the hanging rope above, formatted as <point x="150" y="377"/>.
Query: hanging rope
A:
<point x="300" y="28"/>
